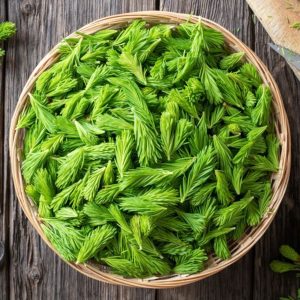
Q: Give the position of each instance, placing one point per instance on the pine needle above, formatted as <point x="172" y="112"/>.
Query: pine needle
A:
<point x="151" y="202"/>
<point x="33" y="161"/>
<point x="65" y="238"/>
<point x="93" y="184"/>
<point x="261" y="112"/>
<point x="203" y="194"/>
<point x="144" y="176"/>
<point x="231" y="61"/>
<point x="43" y="114"/>
<point x="109" y="174"/>
<point x="190" y="263"/>
<point x="71" y="165"/>
<point x="237" y="178"/>
<point x="96" y="240"/>
<point x="131" y="63"/>
<point x="167" y="125"/>
<point x="199" y="138"/>
<point x="221" y="247"/>
<point x="107" y="194"/>
<point x="224" y="155"/>
<point x="145" y="145"/>
<point x="199" y="174"/>
<point x="97" y="214"/>
<point x="229" y="215"/>
<point x="119" y="218"/>
<point x="109" y="123"/>
<point x="124" y="147"/>
<point x="85" y="135"/>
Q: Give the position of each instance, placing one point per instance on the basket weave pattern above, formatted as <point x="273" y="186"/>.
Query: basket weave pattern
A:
<point x="279" y="180"/>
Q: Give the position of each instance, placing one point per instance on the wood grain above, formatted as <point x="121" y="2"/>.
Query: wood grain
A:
<point x="35" y="272"/>
<point x="277" y="16"/>
<point x="285" y="228"/>
<point x="4" y="231"/>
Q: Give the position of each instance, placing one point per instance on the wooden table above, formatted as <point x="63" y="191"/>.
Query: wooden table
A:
<point x="30" y="270"/>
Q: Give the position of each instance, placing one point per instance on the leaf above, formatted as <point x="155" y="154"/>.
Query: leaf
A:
<point x="289" y="253"/>
<point x="152" y="201"/>
<point x="191" y="262"/>
<point x="71" y="165"/>
<point x="102" y="99"/>
<point x="199" y="138"/>
<point x="124" y="147"/>
<point x="109" y="123"/>
<point x="183" y="131"/>
<point x="167" y="126"/>
<point x="147" y="144"/>
<point x="224" y="156"/>
<point x="265" y="199"/>
<point x="177" y="167"/>
<point x="237" y="178"/>
<point x="203" y="194"/>
<point x="107" y="194"/>
<point x="119" y="218"/>
<point x="278" y="266"/>
<point x="131" y="63"/>
<point x="243" y="153"/>
<point x="85" y="135"/>
<point x="96" y="240"/>
<point x="178" y="97"/>
<point x="65" y="238"/>
<point x="93" y="184"/>
<point x="43" y="114"/>
<point x="7" y="29"/>
<point x="195" y="220"/>
<point x="143" y="176"/>
<point x="227" y="215"/>
<point x="225" y="196"/>
<point x="123" y="266"/>
<point x="141" y="227"/>
<point x="109" y="175"/>
<point x="231" y="61"/>
<point x="251" y="74"/>
<point x="44" y="185"/>
<point x="261" y="112"/>
<point x="221" y="247"/>
<point x="97" y="214"/>
<point x="32" y="162"/>
<point x="199" y="174"/>
<point x="212" y="90"/>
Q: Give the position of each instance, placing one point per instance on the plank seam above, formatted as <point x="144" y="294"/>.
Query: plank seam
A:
<point x="4" y="182"/>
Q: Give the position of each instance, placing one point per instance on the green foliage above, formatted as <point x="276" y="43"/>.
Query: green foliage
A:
<point x="292" y="264"/>
<point x="144" y="146"/>
<point x="7" y="29"/>
<point x="95" y="241"/>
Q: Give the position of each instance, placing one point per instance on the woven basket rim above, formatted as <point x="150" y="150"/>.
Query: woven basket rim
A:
<point x="280" y="179"/>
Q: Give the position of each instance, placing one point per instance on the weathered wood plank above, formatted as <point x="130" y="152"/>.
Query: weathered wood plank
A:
<point x="35" y="272"/>
<point x="285" y="228"/>
<point x="234" y="15"/>
<point x="236" y="281"/>
<point x="233" y="283"/>
<point x="4" y="215"/>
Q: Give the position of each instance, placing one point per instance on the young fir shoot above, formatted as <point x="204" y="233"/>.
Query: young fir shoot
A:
<point x="144" y="146"/>
<point x="7" y="29"/>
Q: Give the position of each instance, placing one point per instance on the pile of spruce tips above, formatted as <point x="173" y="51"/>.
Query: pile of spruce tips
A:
<point x="149" y="148"/>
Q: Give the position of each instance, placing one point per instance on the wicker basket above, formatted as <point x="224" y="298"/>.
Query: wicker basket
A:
<point x="279" y="180"/>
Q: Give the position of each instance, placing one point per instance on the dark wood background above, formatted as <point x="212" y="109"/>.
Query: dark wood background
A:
<point x="30" y="270"/>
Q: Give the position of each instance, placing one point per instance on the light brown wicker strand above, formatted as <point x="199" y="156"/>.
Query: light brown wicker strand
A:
<point x="280" y="180"/>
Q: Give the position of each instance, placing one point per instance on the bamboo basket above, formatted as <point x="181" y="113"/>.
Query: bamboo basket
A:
<point x="279" y="180"/>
